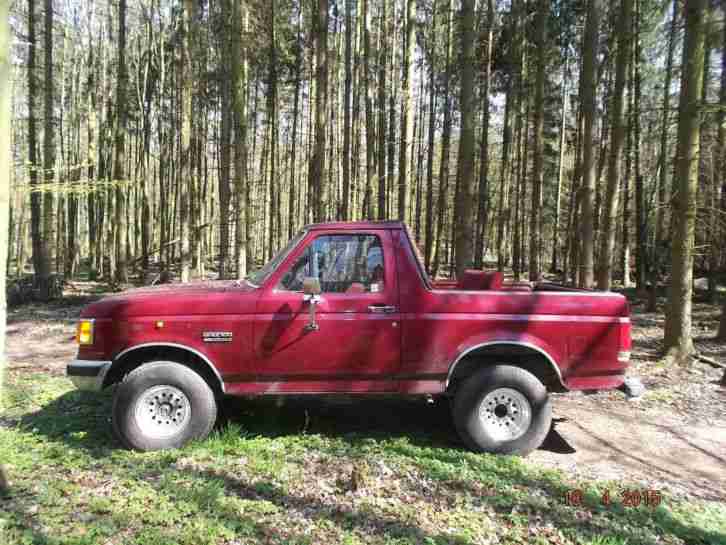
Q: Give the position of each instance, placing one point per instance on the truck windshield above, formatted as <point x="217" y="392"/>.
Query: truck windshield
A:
<point x="258" y="278"/>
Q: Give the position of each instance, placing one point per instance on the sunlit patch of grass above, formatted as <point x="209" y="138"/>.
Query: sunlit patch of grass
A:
<point x="266" y="477"/>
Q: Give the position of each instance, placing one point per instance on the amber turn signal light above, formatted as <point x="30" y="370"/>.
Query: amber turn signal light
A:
<point x="84" y="332"/>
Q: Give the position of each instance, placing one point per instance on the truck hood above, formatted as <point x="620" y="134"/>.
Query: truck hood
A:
<point x="194" y="298"/>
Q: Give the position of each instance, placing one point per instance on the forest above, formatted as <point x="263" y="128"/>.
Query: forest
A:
<point x="576" y="140"/>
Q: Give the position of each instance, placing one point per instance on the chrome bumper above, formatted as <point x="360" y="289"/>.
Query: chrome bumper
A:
<point x="88" y="374"/>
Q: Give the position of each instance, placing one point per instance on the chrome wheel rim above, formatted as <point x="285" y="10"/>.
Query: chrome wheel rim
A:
<point x="505" y="414"/>
<point x="162" y="411"/>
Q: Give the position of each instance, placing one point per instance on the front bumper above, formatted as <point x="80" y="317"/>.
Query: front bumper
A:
<point x="88" y="374"/>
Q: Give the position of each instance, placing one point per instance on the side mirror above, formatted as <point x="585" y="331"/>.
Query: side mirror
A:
<point x="311" y="285"/>
<point x="311" y="291"/>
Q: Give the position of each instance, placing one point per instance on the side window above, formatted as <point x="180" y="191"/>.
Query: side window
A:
<point x="342" y="263"/>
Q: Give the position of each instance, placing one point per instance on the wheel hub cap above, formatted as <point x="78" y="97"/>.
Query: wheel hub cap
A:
<point x="162" y="411"/>
<point x="505" y="414"/>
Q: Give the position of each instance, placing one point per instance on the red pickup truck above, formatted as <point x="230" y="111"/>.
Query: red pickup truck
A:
<point x="347" y="308"/>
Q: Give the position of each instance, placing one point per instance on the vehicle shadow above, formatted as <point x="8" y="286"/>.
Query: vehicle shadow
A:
<point x="357" y="418"/>
<point x="86" y="420"/>
<point x="496" y="483"/>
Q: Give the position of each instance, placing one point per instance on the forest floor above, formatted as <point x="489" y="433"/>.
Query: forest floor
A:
<point x="337" y="471"/>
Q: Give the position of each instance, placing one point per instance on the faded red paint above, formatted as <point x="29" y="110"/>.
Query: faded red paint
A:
<point x="410" y="350"/>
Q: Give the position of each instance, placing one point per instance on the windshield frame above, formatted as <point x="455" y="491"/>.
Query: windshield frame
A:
<point x="418" y="258"/>
<point x="261" y="276"/>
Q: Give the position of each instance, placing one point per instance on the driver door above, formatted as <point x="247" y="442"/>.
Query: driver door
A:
<point x="358" y="344"/>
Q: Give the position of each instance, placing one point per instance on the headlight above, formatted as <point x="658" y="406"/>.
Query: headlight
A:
<point x="84" y="332"/>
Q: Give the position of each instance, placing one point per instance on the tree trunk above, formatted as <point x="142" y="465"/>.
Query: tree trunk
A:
<point x="660" y="211"/>
<point x="239" y="105"/>
<point x="641" y="265"/>
<point x="445" y="143"/>
<point x="186" y="56"/>
<point x="678" y="342"/>
<point x="429" y="242"/>
<point x="225" y="143"/>
<point x="45" y="287"/>
<point x="504" y="180"/>
<point x="317" y="176"/>
<point x="5" y="159"/>
<point x="535" y="217"/>
<point x="120" y="150"/>
<point x="625" y="182"/>
<point x="465" y="196"/>
<point x="617" y="124"/>
<point x="41" y="259"/>
<point x="370" y="118"/>
<point x="721" y="161"/>
<point x="382" y="129"/>
<point x="346" y="107"/>
<point x="483" y="197"/>
<point x="292" y="202"/>
<point x="406" y="109"/>
<point x="274" y="208"/>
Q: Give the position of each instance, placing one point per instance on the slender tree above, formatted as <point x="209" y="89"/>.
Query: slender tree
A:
<point x="554" y="265"/>
<point x="465" y="195"/>
<point x="445" y="143"/>
<point x="225" y="142"/>
<point x="589" y="88"/>
<point x="120" y="150"/>
<point x="370" y="118"/>
<point x="483" y="197"/>
<point x="292" y="201"/>
<point x="239" y="103"/>
<point x="641" y="264"/>
<point x="678" y="342"/>
<point x="721" y="159"/>
<point x="41" y="259"/>
<point x="5" y="159"/>
<point x="407" y="106"/>
<point x="347" y="129"/>
<point x="617" y="127"/>
<point x="317" y="173"/>
<point x="660" y="211"/>
<point x="430" y="204"/>
<point x="535" y="231"/>
<point x="49" y="149"/>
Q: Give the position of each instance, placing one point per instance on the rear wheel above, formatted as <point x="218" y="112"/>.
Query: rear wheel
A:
<point x="502" y="409"/>
<point x="163" y="405"/>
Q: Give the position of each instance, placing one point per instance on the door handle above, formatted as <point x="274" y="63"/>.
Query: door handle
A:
<point x="383" y="309"/>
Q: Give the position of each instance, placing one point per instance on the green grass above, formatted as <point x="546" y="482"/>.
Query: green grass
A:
<point x="282" y="474"/>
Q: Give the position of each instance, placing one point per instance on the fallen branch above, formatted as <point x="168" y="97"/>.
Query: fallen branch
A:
<point x="712" y="362"/>
<point x="152" y="252"/>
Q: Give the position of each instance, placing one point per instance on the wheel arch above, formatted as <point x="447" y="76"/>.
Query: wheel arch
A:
<point x="523" y="354"/>
<point x="135" y="356"/>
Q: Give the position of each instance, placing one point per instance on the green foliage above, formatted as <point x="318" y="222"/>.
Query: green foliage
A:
<point x="267" y="476"/>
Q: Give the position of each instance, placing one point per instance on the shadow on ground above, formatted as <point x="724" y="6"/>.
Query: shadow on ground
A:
<point x="499" y="486"/>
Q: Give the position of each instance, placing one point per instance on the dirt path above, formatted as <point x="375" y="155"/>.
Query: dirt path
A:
<point x="657" y="448"/>
<point x="672" y="440"/>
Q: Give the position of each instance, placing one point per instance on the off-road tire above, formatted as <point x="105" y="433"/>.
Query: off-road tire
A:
<point x="200" y="406"/>
<point x="471" y="394"/>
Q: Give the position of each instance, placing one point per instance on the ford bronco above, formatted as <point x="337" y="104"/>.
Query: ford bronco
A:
<point x="348" y="308"/>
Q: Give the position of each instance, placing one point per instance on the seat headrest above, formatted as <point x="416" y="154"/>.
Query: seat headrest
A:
<point x="493" y="280"/>
<point x="481" y="280"/>
<point x="472" y="280"/>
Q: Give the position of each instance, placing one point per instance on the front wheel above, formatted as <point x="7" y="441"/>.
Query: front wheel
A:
<point x="502" y="409"/>
<point x="163" y="405"/>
